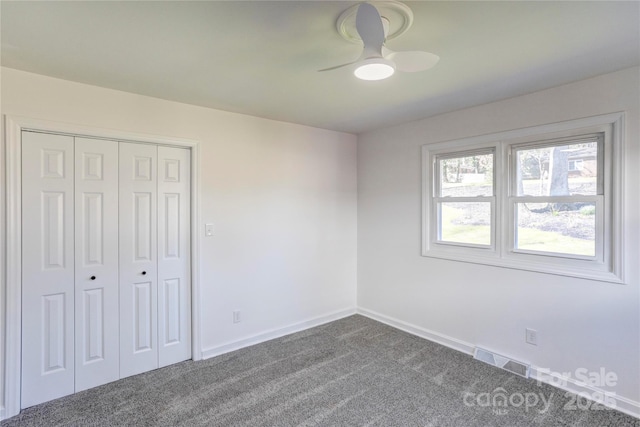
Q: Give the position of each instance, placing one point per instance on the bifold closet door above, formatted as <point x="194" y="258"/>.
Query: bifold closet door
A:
<point x="47" y="267"/>
<point x="174" y="261"/>
<point x="155" y="262"/>
<point x="138" y="258"/>
<point x="106" y="256"/>
<point x="96" y="263"/>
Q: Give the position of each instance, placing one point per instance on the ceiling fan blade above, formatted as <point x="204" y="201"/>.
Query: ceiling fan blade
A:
<point x="370" y="29"/>
<point x="337" y="66"/>
<point x="412" y="61"/>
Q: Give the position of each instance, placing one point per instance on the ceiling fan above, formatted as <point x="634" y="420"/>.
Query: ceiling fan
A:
<point x="378" y="62"/>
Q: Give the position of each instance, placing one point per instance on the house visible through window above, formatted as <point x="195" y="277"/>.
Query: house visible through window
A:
<point x="540" y="199"/>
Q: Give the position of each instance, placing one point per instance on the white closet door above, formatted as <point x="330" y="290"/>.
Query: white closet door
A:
<point x="138" y="259"/>
<point x="47" y="267"/>
<point x="174" y="271"/>
<point x="96" y="267"/>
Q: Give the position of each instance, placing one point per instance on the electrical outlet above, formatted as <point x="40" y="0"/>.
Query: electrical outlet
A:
<point x="532" y="336"/>
<point x="236" y="316"/>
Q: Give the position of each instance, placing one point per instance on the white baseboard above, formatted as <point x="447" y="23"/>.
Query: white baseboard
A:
<point x="445" y="340"/>
<point x="276" y="333"/>
<point x="572" y="385"/>
<point x="619" y="403"/>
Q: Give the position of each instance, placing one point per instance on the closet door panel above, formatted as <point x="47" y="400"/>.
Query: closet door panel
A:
<point x="138" y="258"/>
<point x="174" y="261"/>
<point x="47" y="267"/>
<point x="96" y="260"/>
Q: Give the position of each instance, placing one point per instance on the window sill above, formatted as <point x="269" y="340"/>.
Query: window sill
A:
<point x="554" y="266"/>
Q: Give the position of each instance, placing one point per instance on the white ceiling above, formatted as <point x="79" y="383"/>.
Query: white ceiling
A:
<point x="261" y="57"/>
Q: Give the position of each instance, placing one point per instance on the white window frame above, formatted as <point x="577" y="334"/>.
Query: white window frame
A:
<point x="606" y="265"/>
<point x="439" y="199"/>
<point x="598" y="199"/>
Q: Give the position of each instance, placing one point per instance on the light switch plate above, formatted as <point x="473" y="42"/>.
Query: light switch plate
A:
<point x="532" y="336"/>
<point x="208" y="229"/>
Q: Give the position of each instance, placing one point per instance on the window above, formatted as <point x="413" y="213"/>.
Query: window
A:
<point x="464" y="198"/>
<point x="539" y="199"/>
<point x="575" y="165"/>
<point x="556" y="212"/>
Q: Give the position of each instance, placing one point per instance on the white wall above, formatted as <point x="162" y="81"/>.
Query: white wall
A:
<point x="580" y="323"/>
<point x="2" y="266"/>
<point x="282" y="197"/>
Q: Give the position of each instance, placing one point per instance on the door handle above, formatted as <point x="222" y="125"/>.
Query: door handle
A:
<point x="93" y="277"/>
<point x="144" y="272"/>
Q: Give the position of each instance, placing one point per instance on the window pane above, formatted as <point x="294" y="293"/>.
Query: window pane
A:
<point x="466" y="176"/>
<point x="566" y="228"/>
<point x="561" y="170"/>
<point x="465" y="222"/>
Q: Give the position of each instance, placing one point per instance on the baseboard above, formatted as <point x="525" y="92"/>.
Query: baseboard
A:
<point x="276" y="333"/>
<point x="619" y="403"/>
<point x="572" y="385"/>
<point x="445" y="340"/>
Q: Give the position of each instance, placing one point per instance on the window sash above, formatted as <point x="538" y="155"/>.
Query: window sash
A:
<point x="514" y="148"/>
<point x="599" y="225"/>
<point x="436" y="231"/>
<point x="437" y="199"/>
<point x="437" y="172"/>
<point x="598" y="199"/>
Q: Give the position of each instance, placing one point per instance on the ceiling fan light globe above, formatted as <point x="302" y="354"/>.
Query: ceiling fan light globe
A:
<point x="374" y="69"/>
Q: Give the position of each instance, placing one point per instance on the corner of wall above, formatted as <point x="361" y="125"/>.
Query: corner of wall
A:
<point x="560" y="381"/>
<point x="276" y="333"/>
<point x="2" y="266"/>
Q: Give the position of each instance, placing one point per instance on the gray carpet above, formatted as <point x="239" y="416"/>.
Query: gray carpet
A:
<point x="351" y="372"/>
